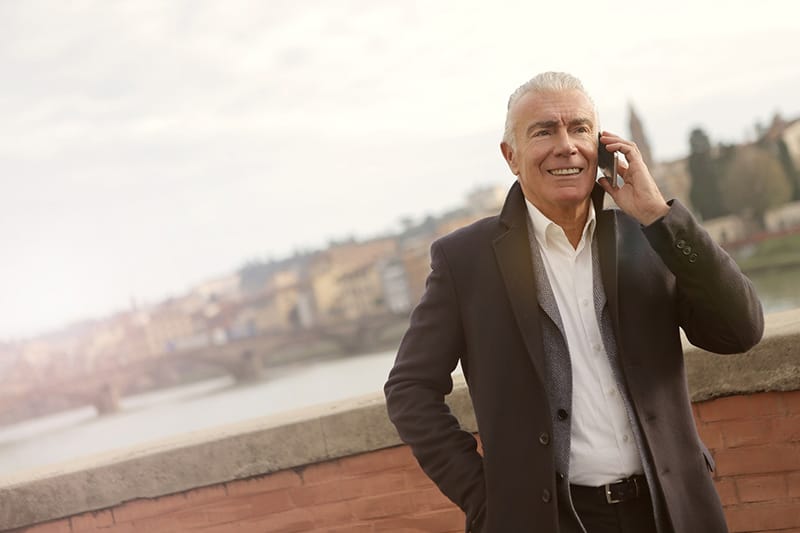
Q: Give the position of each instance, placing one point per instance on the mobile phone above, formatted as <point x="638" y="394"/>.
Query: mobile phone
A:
<point x="607" y="161"/>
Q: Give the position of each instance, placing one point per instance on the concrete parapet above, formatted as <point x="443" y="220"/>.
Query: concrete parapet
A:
<point x="773" y="365"/>
<point x="220" y="462"/>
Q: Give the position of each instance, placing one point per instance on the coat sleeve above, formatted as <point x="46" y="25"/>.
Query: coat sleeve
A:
<point x="417" y="385"/>
<point x="718" y="306"/>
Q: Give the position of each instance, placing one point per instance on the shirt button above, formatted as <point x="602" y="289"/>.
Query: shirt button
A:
<point x="687" y="250"/>
<point x="612" y="392"/>
<point x="625" y="438"/>
<point x="584" y="302"/>
<point x="680" y="244"/>
<point x="693" y="258"/>
<point x="596" y="347"/>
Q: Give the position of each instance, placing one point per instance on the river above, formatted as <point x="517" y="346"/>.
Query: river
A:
<point x="216" y="402"/>
<point x="147" y="417"/>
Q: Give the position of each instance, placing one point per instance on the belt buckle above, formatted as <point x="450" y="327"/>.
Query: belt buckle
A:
<point x="611" y="500"/>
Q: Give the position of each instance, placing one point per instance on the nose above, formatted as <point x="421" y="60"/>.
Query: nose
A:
<point x="565" y="145"/>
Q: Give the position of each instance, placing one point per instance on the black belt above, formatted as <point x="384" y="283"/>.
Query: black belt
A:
<point x="617" y="492"/>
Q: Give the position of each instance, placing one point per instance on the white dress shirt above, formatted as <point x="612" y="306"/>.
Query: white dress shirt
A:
<point x="603" y="449"/>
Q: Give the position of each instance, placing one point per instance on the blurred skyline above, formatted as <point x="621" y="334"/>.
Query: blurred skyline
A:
<point x="149" y="146"/>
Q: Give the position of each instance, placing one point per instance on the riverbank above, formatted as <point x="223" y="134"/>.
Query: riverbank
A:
<point x="776" y="252"/>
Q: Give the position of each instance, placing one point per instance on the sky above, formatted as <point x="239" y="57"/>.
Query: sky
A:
<point x="148" y="146"/>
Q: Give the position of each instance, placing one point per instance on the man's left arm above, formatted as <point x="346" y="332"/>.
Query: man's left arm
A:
<point x="719" y="308"/>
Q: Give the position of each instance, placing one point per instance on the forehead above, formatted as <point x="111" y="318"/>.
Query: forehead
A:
<point x="559" y="106"/>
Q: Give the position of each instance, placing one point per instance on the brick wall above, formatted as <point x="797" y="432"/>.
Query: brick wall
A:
<point x="755" y="440"/>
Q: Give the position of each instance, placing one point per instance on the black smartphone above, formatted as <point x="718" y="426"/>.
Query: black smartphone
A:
<point x="607" y="161"/>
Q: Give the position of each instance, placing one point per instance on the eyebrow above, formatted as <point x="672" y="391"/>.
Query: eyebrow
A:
<point x="549" y="124"/>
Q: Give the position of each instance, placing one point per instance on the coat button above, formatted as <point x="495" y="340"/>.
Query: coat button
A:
<point x="680" y="244"/>
<point x="693" y="258"/>
<point x="687" y="250"/>
<point x="562" y="414"/>
<point x="546" y="496"/>
<point x="544" y="439"/>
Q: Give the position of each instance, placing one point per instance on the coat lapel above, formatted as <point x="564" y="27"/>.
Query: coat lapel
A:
<point x="513" y="253"/>
<point x="607" y="250"/>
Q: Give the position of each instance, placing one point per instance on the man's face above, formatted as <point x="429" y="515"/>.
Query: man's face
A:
<point x="555" y="152"/>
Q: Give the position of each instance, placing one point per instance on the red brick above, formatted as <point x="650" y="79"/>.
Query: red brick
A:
<point x="91" y="521"/>
<point x="379" y="461"/>
<point x="331" y="491"/>
<point x="436" y="522"/>
<point x="125" y="527"/>
<point x="383" y="483"/>
<point x="386" y="505"/>
<point x="792" y="401"/>
<point x="278" y="480"/>
<point x="760" y="431"/>
<point x="229" y="511"/>
<point x="790" y="428"/>
<point x="761" y="488"/>
<point x="793" y="484"/>
<point x="291" y="521"/>
<point x="156" y="524"/>
<point x="742" y="406"/>
<point x="711" y="435"/>
<point x="363" y="527"/>
<point x="267" y="502"/>
<point x="779" y="457"/>
<point x="763" y="517"/>
<point x="189" y="519"/>
<point x="216" y="528"/>
<point x="331" y="514"/>
<point x="726" y="488"/>
<point x="57" y="526"/>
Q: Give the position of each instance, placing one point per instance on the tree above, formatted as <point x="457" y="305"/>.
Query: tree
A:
<point x="788" y="166"/>
<point x="754" y="182"/>
<point x="704" y="170"/>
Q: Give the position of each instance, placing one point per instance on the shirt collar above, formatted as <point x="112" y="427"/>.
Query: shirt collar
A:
<point x="543" y="227"/>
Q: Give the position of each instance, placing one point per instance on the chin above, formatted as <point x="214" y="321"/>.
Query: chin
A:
<point x="574" y="195"/>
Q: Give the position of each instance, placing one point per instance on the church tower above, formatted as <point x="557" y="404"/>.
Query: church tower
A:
<point x="638" y="136"/>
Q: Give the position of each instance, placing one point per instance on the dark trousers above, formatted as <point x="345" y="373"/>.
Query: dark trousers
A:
<point x="633" y="515"/>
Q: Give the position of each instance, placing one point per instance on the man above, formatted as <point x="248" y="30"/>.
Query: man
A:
<point x="565" y="317"/>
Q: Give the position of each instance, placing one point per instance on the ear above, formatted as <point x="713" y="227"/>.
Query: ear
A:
<point x="508" y="155"/>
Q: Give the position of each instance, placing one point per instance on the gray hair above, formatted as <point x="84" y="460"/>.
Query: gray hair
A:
<point x="542" y="83"/>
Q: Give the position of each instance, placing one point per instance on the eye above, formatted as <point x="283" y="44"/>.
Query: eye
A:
<point x="583" y="129"/>
<point x="540" y="133"/>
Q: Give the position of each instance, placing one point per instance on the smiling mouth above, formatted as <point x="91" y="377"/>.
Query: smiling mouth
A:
<point x="565" y="171"/>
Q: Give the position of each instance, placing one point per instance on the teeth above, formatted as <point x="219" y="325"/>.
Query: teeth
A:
<point x="565" y="171"/>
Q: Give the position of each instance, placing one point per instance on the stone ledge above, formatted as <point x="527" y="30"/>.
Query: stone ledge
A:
<point x="324" y="433"/>
<point x="773" y="365"/>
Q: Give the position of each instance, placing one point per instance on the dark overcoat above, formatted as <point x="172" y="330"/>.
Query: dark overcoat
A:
<point x="480" y="308"/>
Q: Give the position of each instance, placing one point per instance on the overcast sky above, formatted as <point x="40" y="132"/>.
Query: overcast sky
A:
<point x="151" y="145"/>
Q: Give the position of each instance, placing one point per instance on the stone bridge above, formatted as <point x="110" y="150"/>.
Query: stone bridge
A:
<point x="245" y="359"/>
